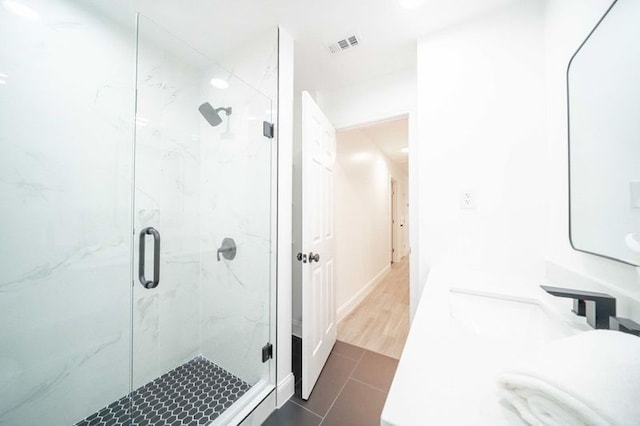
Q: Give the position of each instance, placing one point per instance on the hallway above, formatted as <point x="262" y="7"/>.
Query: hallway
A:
<point x="381" y="322"/>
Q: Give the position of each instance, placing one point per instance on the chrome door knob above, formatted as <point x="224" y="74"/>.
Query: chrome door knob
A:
<point x="301" y="257"/>
<point x="314" y="257"/>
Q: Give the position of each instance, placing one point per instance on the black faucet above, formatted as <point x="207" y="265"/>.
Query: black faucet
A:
<point x="597" y="307"/>
<point x="625" y="325"/>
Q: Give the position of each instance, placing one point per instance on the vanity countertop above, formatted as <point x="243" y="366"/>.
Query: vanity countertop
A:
<point x="468" y="326"/>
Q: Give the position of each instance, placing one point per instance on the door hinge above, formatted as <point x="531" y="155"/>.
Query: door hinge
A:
<point x="267" y="129"/>
<point x="267" y="352"/>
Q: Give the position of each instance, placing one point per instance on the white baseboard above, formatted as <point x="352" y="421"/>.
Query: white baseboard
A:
<point x="348" y="306"/>
<point x="296" y="328"/>
<point x="259" y="414"/>
<point x="285" y="390"/>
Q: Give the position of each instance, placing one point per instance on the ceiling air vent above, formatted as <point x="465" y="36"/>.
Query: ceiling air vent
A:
<point x="344" y="44"/>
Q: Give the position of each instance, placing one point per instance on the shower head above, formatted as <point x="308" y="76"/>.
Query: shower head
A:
<point x="212" y="115"/>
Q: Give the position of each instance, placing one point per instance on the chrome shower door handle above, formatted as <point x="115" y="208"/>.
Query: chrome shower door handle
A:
<point x="156" y="258"/>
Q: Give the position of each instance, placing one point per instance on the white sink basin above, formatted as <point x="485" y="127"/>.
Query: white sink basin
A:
<point x="461" y="338"/>
<point x="503" y="318"/>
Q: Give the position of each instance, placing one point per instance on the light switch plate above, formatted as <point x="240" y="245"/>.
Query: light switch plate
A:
<point x="468" y="199"/>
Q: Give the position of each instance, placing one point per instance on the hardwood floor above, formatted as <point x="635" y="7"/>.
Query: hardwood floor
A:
<point x="381" y="322"/>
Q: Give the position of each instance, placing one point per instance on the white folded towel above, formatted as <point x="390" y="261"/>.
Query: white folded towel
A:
<point x="592" y="378"/>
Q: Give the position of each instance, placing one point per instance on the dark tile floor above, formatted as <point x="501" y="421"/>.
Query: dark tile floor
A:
<point x="351" y="390"/>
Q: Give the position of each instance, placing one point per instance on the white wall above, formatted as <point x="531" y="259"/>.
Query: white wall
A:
<point x="284" y="379"/>
<point x="481" y="126"/>
<point x="362" y="216"/>
<point x="567" y="25"/>
<point x="492" y="117"/>
<point x="383" y="97"/>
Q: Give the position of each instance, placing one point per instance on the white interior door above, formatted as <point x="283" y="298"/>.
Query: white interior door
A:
<point x="394" y="233"/>
<point x="318" y="242"/>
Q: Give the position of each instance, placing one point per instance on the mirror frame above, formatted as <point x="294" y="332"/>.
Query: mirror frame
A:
<point x="595" y="28"/>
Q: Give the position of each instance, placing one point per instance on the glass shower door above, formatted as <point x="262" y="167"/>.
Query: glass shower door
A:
<point x="87" y="335"/>
<point x="67" y="99"/>
<point x="202" y="226"/>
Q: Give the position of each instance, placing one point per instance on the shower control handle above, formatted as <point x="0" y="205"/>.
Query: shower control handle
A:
<point x="314" y="257"/>
<point x="156" y="258"/>
<point x="228" y="249"/>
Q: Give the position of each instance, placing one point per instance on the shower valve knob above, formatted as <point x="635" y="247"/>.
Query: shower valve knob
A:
<point x="301" y="257"/>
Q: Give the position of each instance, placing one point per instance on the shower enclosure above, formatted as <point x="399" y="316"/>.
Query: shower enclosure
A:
<point x="119" y="301"/>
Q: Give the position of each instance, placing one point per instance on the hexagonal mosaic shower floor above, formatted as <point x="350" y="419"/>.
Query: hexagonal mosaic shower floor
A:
<point x="194" y="393"/>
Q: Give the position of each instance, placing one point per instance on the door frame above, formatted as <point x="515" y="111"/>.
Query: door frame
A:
<point x="415" y="274"/>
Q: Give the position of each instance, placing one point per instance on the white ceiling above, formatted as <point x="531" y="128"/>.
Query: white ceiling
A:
<point x="388" y="30"/>
<point x="390" y="137"/>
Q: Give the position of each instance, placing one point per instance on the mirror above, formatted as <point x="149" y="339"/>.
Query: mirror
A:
<point x="604" y="137"/>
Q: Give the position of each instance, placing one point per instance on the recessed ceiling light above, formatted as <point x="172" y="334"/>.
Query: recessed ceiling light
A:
<point x="219" y="83"/>
<point x="21" y="10"/>
<point x="411" y="4"/>
<point x="405" y="149"/>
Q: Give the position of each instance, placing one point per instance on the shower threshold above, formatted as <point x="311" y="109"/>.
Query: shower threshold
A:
<point x="195" y="393"/>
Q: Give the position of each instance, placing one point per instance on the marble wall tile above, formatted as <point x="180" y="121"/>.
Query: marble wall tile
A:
<point x="66" y="131"/>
